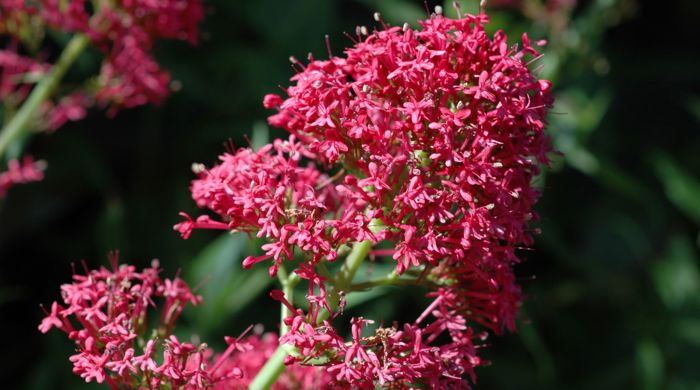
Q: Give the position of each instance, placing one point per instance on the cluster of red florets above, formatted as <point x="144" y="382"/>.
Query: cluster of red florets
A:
<point x="270" y="193"/>
<point x="124" y="31"/>
<point x="260" y="348"/>
<point x="19" y="172"/>
<point x="106" y="313"/>
<point x="435" y="135"/>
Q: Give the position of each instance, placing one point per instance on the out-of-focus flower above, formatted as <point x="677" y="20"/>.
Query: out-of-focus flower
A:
<point x="124" y="32"/>
<point x="20" y="172"/>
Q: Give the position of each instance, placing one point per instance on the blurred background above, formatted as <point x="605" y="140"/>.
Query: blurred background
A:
<point x="612" y="285"/>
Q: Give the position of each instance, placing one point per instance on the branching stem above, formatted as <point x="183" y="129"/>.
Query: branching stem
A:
<point x="20" y="122"/>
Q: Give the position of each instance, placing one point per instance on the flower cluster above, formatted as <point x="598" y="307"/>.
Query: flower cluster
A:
<point x="394" y="356"/>
<point x="106" y="313"/>
<point x="433" y="137"/>
<point x="268" y="192"/>
<point x="442" y="130"/>
<point x="123" y="31"/>
<point x="259" y="348"/>
<point x="20" y="172"/>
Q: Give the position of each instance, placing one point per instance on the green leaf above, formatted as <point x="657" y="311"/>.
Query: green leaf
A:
<point x="681" y="188"/>
<point x="466" y="6"/>
<point x="693" y="105"/>
<point x="261" y="135"/>
<point x="688" y="330"/>
<point x="536" y="346"/>
<point x="676" y="275"/>
<point x="397" y="12"/>
<point x="650" y="365"/>
<point x="226" y="287"/>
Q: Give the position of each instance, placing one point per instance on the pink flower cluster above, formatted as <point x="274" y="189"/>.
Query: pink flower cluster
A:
<point x="433" y="134"/>
<point x="259" y="348"/>
<point x="442" y="130"/>
<point x="106" y="313"/>
<point x="21" y="172"/>
<point x="393" y="357"/>
<point x="268" y="192"/>
<point x="123" y="31"/>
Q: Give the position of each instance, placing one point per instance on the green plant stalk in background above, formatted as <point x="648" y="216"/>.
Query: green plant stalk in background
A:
<point x="19" y="124"/>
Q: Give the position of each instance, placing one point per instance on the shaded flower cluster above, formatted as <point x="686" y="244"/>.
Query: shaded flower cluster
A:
<point x="20" y="172"/>
<point x="433" y="138"/>
<point x="258" y="349"/>
<point x="106" y="313"/>
<point x="123" y="31"/>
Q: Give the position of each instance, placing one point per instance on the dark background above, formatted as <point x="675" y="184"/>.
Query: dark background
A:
<point x="612" y="285"/>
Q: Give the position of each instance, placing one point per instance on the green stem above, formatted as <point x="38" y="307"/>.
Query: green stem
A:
<point x="271" y="370"/>
<point x="288" y="283"/>
<point x="345" y="276"/>
<point x="19" y="123"/>
<point x="275" y="365"/>
<point x="391" y="280"/>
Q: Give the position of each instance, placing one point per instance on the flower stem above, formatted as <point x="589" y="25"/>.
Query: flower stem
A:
<point x="275" y="365"/>
<point x="288" y="283"/>
<point x="390" y="280"/>
<point x="19" y="123"/>
<point x="271" y="370"/>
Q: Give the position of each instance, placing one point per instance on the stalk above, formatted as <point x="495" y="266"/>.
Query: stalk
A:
<point x="19" y="124"/>
<point x="275" y="365"/>
<point x="288" y="283"/>
<point x="271" y="370"/>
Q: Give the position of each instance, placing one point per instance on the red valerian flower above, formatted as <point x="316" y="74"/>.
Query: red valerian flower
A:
<point x="106" y="313"/>
<point x="271" y="193"/>
<point x="434" y="137"/>
<point x="444" y="129"/>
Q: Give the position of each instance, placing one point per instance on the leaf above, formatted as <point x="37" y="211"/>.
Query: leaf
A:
<point x="650" y="365"/>
<point x="226" y="287"/>
<point x="397" y="12"/>
<point x="681" y="188"/>
<point x="688" y="329"/>
<point x="261" y="135"/>
<point x="357" y="298"/>
<point x="676" y="275"/>
<point x="693" y="105"/>
<point x="466" y="6"/>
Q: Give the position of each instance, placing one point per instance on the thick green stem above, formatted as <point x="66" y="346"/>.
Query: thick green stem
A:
<point x="271" y="370"/>
<point x="45" y="87"/>
<point x="275" y="365"/>
<point x="345" y="276"/>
